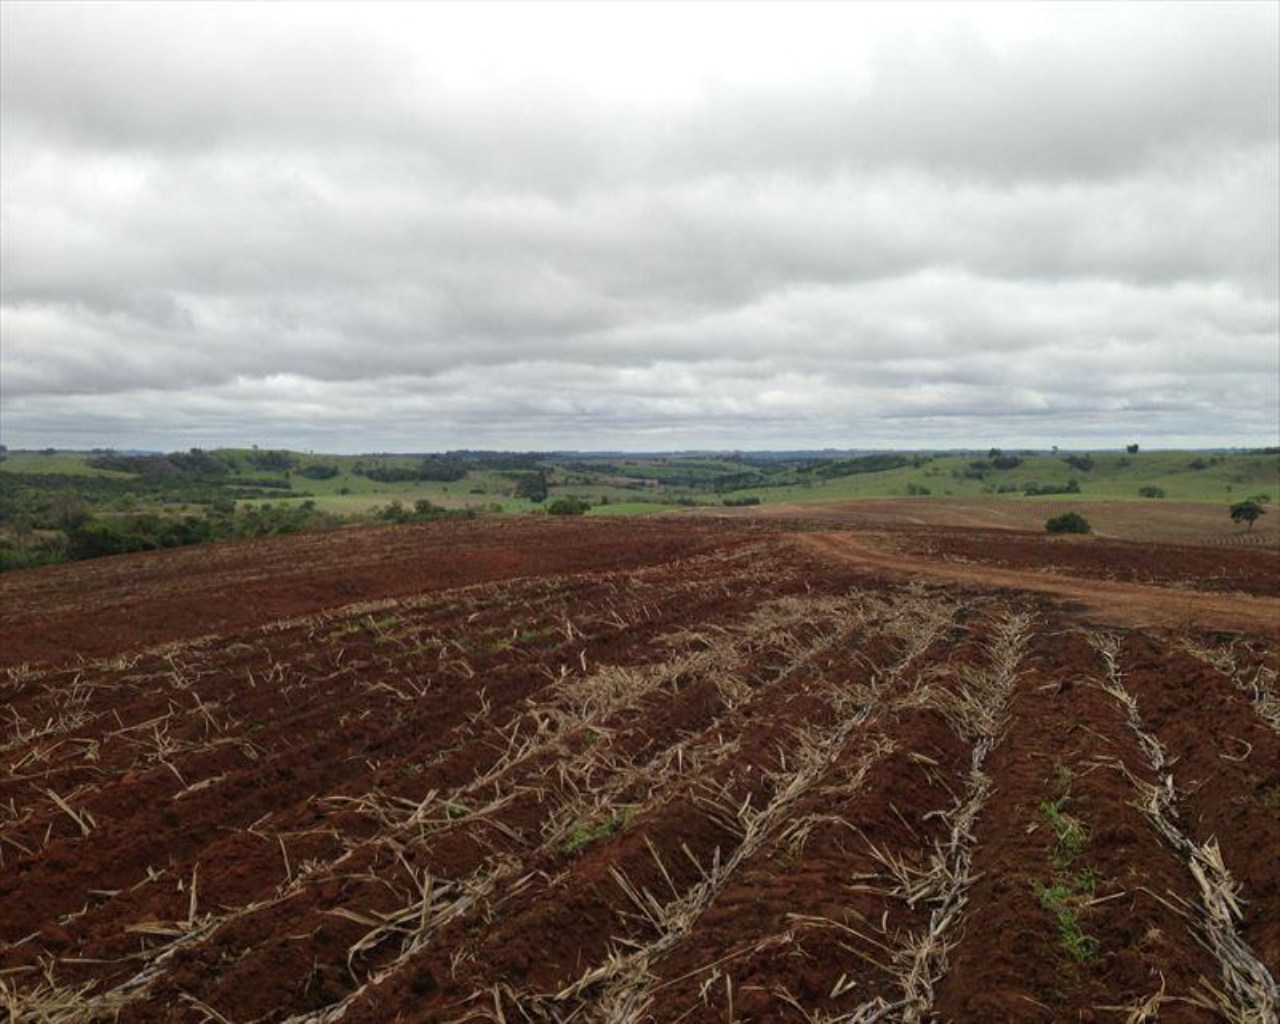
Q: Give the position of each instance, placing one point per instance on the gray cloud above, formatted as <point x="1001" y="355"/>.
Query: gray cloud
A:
<point x="414" y="227"/>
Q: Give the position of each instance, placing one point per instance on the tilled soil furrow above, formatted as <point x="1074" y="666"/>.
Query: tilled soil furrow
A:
<point x="1226" y="759"/>
<point x="1245" y="990"/>
<point x="373" y="897"/>
<point x="780" y="934"/>
<point x="681" y="853"/>
<point x="1248" y="671"/>
<point x="1069" y="918"/>
<point x="161" y="898"/>
<point x="493" y="850"/>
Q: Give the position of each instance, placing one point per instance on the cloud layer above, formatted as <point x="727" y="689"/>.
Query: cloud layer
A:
<point x="614" y="226"/>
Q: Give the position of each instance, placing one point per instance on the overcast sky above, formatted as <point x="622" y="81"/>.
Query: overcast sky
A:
<point x="660" y="226"/>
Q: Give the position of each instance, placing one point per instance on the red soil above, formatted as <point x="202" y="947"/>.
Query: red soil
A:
<point x="546" y="767"/>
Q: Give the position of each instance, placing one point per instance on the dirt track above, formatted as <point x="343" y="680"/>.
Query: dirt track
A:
<point x="1123" y="604"/>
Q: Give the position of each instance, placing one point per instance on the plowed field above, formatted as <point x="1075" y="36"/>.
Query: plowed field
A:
<point x="669" y="770"/>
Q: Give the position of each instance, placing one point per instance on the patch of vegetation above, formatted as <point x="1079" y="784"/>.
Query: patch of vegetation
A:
<point x="195" y="464"/>
<point x="71" y="532"/>
<point x="584" y="835"/>
<point x="531" y="486"/>
<point x="1069" y="834"/>
<point x="319" y="471"/>
<point x="455" y="810"/>
<point x="1072" y="887"/>
<point x="742" y="502"/>
<point x="1068" y="522"/>
<point x="1064" y="900"/>
<point x="1034" y="490"/>
<point x="519" y="637"/>
<point x="861" y="464"/>
<point x="423" y="511"/>
<point x="568" y="506"/>
<point x="1151" y="491"/>
<point x="379" y="627"/>
<point x="432" y="467"/>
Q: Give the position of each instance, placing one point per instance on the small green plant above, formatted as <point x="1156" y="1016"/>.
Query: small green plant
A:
<point x="455" y="809"/>
<point x="1072" y="888"/>
<point x="1064" y="900"/>
<point x="1068" y="832"/>
<point x="1271" y="800"/>
<point x="379" y="628"/>
<point x="518" y="637"/>
<point x="584" y="835"/>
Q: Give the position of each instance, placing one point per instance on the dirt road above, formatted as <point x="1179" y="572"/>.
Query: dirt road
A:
<point x="1127" y="604"/>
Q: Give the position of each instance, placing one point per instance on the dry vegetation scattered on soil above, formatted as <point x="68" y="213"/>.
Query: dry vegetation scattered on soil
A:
<point x="629" y="772"/>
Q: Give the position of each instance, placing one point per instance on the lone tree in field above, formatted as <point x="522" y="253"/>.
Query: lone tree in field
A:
<point x="1068" y="522"/>
<point x="1247" y="512"/>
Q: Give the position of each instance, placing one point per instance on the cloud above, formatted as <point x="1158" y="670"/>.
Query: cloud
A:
<point x="555" y="225"/>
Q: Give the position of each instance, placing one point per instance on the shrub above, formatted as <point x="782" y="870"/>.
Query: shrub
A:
<point x="1151" y="492"/>
<point x="1068" y="522"/>
<point x="568" y="507"/>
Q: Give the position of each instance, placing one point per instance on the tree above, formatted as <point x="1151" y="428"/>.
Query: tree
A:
<point x="1132" y="449"/>
<point x="1068" y="522"/>
<point x="532" y="486"/>
<point x="1247" y="512"/>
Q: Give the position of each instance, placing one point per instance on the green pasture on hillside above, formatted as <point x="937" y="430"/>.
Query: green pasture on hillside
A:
<point x="626" y="485"/>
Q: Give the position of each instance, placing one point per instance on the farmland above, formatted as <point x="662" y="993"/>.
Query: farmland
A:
<point x="798" y="766"/>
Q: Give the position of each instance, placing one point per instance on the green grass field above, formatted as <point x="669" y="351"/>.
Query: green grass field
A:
<point x="55" y="463"/>
<point x="1226" y="478"/>
<point x="634" y="486"/>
